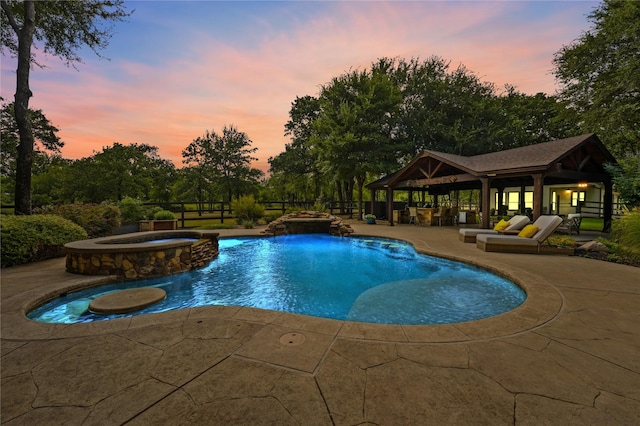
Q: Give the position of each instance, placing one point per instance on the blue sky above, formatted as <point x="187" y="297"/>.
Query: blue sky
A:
<point x="179" y="68"/>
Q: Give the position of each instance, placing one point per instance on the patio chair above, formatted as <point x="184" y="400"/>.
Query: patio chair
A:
<point x="413" y="216"/>
<point x="571" y="224"/>
<point x="541" y="229"/>
<point x="516" y="223"/>
<point x="441" y="215"/>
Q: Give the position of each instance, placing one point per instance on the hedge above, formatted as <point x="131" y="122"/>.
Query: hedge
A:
<point x="31" y="238"/>
<point x="99" y="220"/>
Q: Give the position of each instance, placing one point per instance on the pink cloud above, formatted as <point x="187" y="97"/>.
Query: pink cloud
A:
<point x="216" y="82"/>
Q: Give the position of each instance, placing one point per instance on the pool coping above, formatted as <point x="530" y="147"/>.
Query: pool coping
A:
<point x="543" y="303"/>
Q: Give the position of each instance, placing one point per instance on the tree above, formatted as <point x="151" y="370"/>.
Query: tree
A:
<point x="120" y="171"/>
<point x="297" y="167"/>
<point x="63" y="27"/>
<point x="600" y="76"/>
<point x="225" y="158"/>
<point x="46" y="141"/>
<point x="354" y="133"/>
<point x="626" y="180"/>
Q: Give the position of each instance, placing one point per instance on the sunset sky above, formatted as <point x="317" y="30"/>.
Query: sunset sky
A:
<point x="179" y="68"/>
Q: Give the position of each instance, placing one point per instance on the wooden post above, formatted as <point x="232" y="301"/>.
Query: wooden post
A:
<point x="486" y="201"/>
<point x="538" y="191"/>
<point x="608" y="206"/>
<point x="390" y="205"/>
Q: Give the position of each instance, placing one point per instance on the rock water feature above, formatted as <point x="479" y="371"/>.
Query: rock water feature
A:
<point x="308" y="222"/>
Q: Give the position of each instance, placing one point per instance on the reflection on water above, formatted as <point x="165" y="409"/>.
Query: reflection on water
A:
<point x="359" y="279"/>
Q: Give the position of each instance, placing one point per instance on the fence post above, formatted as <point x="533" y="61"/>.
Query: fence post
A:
<point x="221" y="212"/>
<point x="283" y="209"/>
<point x="182" y="214"/>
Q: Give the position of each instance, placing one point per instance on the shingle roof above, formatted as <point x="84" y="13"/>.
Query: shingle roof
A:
<point x="538" y="155"/>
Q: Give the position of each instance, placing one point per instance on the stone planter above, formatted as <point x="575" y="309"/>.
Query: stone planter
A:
<point x="158" y="225"/>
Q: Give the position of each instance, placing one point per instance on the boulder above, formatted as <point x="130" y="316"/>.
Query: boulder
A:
<point x="594" y="246"/>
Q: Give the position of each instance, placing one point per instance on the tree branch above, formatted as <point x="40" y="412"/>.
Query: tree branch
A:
<point x="10" y="17"/>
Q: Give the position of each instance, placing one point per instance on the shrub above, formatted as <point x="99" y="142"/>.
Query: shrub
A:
<point x="248" y="224"/>
<point x="37" y="237"/>
<point x="150" y="213"/>
<point x="246" y="209"/>
<point x="164" y="215"/>
<point x="131" y="210"/>
<point x="270" y="217"/>
<point x="562" y="240"/>
<point x="626" y="230"/>
<point x="99" y="220"/>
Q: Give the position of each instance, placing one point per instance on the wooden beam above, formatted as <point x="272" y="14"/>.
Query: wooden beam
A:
<point x="584" y="162"/>
<point x="424" y="172"/>
<point x="486" y="202"/>
<point x="449" y="179"/>
<point x="390" y="205"/>
<point x="538" y="191"/>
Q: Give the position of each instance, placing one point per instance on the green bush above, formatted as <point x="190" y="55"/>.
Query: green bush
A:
<point x="562" y="240"/>
<point x="99" y="220"/>
<point x="271" y="216"/>
<point x="246" y="209"/>
<point x="36" y="237"/>
<point x="626" y="230"/>
<point x="150" y="213"/>
<point x="248" y="224"/>
<point x="131" y="210"/>
<point x="164" y="215"/>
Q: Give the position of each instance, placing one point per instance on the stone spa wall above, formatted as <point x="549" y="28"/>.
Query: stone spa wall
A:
<point x="308" y="222"/>
<point x="141" y="255"/>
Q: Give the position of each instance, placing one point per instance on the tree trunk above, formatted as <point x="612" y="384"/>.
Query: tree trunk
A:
<point x="360" y="181"/>
<point x="340" y="197"/>
<point x="348" y="187"/>
<point x="24" y="161"/>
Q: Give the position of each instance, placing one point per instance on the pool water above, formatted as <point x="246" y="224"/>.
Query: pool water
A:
<point x="357" y="279"/>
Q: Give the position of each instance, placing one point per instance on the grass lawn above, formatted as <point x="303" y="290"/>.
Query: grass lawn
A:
<point x="591" y="224"/>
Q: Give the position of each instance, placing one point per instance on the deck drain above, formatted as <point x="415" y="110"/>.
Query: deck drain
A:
<point x="292" y="339"/>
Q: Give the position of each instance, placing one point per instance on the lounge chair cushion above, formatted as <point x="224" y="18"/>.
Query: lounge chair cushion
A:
<point x="517" y="222"/>
<point x="528" y="231"/>
<point x="501" y="225"/>
<point x="513" y="244"/>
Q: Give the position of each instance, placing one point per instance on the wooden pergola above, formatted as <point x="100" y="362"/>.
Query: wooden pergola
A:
<point x="565" y="161"/>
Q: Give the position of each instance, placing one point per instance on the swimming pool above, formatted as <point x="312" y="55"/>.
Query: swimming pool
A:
<point x="357" y="279"/>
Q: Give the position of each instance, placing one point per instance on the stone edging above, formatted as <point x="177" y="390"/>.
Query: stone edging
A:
<point x="133" y="256"/>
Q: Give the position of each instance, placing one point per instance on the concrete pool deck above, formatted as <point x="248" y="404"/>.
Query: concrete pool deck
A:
<point x="569" y="355"/>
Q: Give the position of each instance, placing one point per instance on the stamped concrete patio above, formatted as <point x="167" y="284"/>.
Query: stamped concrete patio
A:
<point x="569" y="355"/>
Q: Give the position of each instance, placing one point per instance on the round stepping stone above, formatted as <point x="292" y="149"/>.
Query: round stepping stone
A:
<point x="121" y="302"/>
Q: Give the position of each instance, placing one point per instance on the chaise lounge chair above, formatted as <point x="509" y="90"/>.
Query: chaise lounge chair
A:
<point x="468" y="235"/>
<point x="544" y="227"/>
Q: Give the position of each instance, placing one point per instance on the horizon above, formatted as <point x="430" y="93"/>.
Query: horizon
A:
<point x="177" y="69"/>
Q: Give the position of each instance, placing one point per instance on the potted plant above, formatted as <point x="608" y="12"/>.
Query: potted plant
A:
<point x="370" y="219"/>
<point x="163" y="220"/>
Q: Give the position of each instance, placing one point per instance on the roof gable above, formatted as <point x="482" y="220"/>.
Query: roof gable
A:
<point x="584" y="153"/>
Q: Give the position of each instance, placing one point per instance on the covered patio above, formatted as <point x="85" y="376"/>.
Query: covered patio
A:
<point x="577" y="161"/>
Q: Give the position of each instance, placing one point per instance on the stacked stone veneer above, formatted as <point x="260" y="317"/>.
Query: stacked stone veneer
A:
<point x="130" y="258"/>
<point x="308" y="222"/>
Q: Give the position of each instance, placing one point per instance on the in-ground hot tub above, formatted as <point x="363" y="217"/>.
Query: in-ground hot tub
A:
<point x="142" y="254"/>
